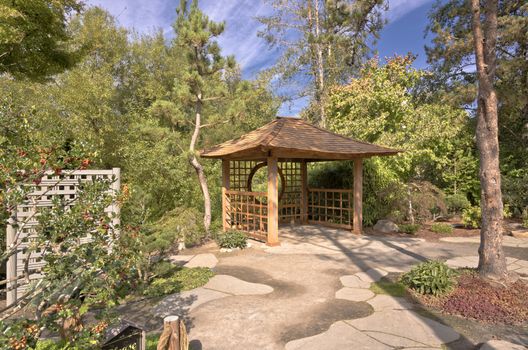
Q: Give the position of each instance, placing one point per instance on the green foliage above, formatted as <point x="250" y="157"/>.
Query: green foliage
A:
<point x="471" y="217"/>
<point x="443" y="228"/>
<point x="395" y="289"/>
<point x="430" y="134"/>
<point x="525" y="217"/>
<point x="180" y="280"/>
<point x="410" y="229"/>
<point x="34" y="37"/>
<point x="232" y="239"/>
<point x="457" y="202"/>
<point x="431" y="277"/>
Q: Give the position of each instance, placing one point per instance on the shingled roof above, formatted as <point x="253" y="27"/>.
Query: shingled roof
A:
<point x="293" y="138"/>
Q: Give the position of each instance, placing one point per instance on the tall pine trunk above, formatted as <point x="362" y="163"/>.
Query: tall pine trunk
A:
<point x="492" y="261"/>
<point x="198" y="167"/>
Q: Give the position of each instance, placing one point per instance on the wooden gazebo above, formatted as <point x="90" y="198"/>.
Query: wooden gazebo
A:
<point x="285" y="146"/>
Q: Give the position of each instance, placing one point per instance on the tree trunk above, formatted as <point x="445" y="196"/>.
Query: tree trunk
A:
<point x="492" y="261"/>
<point x="320" y="70"/>
<point x="198" y="167"/>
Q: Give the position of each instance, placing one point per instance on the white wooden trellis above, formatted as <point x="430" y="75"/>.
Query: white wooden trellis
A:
<point x="64" y="185"/>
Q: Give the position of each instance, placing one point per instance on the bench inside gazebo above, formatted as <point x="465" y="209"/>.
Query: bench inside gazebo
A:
<point x="285" y="146"/>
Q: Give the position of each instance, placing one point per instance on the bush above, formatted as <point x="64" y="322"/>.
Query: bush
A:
<point x="183" y="279"/>
<point x="457" y="202"/>
<point x="431" y="277"/>
<point x="438" y="227"/>
<point x="471" y="217"/>
<point x="410" y="229"/>
<point x="232" y="239"/>
<point x="525" y="217"/>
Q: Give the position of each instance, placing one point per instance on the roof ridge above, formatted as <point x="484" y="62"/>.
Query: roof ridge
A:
<point x="279" y="123"/>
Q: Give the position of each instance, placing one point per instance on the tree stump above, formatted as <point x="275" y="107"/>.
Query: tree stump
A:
<point x="174" y="335"/>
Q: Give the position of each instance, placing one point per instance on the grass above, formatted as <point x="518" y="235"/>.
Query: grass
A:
<point x="442" y="228"/>
<point x="182" y="279"/>
<point x="394" y="289"/>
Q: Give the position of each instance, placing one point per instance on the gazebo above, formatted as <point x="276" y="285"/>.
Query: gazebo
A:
<point x="285" y="146"/>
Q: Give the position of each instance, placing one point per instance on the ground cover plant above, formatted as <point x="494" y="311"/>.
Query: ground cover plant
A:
<point x="443" y="228"/>
<point x="409" y="228"/>
<point x="395" y="289"/>
<point x="430" y="277"/>
<point x="232" y="239"/>
<point x="473" y="297"/>
<point x="178" y="279"/>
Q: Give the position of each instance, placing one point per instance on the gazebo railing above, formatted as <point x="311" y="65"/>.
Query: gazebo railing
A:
<point x="330" y="207"/>
<point x="247" y="211"/>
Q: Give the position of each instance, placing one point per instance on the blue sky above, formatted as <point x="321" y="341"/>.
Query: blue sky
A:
<point x="404" y="32"/>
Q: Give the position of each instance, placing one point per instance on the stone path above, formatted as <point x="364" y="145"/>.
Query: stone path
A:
<point x="515" y="265"/>
<point x="199" y="260"/>
<point x="220" y="286"/>
<point x="507" y="241"/>
<point x="393" y="325"/>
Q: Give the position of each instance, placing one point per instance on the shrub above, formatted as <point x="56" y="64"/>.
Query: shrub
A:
<point x="232" y="239"/>
<point x="183" y="279"/>
<point x="439" y="227"/>
<point x="410" y="229"/>
<point x="457" y="202"/>
<point x="525" y="217"/>
<point x="471" y="217"/>
<point x="431" y="277"/>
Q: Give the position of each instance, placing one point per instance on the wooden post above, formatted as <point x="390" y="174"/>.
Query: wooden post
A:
<point x="226" y="219"/>
<point x="358" y="196"/>
<point x="273" y="203"/>
<point x="304" y="192"/>
<point x="11" y="267"/>
<point x="174" y="335"/>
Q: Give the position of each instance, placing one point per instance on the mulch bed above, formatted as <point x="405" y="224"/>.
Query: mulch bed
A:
<point x="477" y="299"/>
<point x="425" y="233"/>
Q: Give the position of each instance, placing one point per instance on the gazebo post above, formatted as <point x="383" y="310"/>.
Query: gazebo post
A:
<point x="226" y="222"/>
<point x="273" y="203"/>
<point x="358" y="196"/>
<point x="304" y="192"/>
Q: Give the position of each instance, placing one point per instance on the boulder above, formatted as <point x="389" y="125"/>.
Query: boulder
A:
<point x="386" y="226"/>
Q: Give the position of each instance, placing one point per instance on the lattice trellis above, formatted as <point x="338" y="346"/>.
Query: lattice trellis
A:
<point x="330" y="207"/>
<point x="64" y="186"/>
<point x="248" y="211"/>
<point x="290" y="202"/>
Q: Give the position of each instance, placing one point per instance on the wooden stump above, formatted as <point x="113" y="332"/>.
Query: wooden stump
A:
<point x="174" y="335"/>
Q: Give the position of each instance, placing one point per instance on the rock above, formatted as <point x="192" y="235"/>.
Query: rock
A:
<point x="386" y="302"/>
<point x="354" y="281"/>
<point x="523" y="233"/>
<point x="234" y="286"/>
<point x="500" y="345"/>
<point x="202" y="260"/>
<point x="371" y="275"/>
<point x="354" y="294"/>
<point x="386" y="226"/>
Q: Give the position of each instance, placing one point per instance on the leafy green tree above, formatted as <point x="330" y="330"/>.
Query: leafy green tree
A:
<point x="325" y="41"/>
<point x="382" y="106"/>
<point x="34" y="40"/>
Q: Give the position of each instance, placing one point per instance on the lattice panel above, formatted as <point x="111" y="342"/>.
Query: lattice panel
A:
<point x="290" y="202"/>
<point x="330" y="207"/>
<point x="239" y="171"/>
<point x="248" y="211"/>
<point x="65" y="187"/>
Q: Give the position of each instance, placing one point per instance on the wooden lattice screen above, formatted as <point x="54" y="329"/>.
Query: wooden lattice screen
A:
<point x="64" y="186"/>
<point x="290" y="202"/>
<point x="330" y="207"/>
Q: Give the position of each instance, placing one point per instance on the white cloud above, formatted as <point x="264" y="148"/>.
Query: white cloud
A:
<point x="399" y="8"/>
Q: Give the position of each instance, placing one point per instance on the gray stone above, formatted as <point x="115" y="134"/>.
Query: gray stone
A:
<point x="234" y="286"/>
<point x="339" y="336"/>
<point x="354" y="294"/>
<point x="386" y="302"/>
<point x="183" y="303"/>
<point x="180" y="259"/>
<point x="353" y="281"/>
<point x="386" y="226"/>
<point x="372" y="275"/>
<point x="407" y="325"/>
<point x="203" y="260"/>
<point x="520" y="233"/>
<point x="501" y="345"/>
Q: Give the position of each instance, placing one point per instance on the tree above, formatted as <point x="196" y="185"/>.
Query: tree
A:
<point x="34" y="38"/>
<point x="325" y="41"/>
<point x="202" y="78"/>
<point x="492" y="260"/>
<point x="383" y="106"/>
